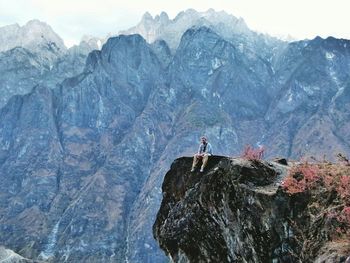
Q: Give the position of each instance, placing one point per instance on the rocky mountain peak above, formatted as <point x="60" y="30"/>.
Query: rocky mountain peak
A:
<point x="199" y="30"/>
<point x="34" y="36"/>
<point x="12" y="27"/>
<point x="147" y="16"/>
<point x="36" y="23"/>
<point x="92" y="41"/>
<point x="123" y="42"/>
<point x="161" y="27"/>
<point x="39" y="33"/>
<point x="164" y="16"/>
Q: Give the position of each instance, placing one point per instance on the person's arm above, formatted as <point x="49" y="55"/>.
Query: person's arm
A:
<point x="210" y="149"/>
<point x="199" y="149"/>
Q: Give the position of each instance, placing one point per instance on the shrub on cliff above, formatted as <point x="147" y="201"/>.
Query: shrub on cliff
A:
<point x="328" y="185"/>
<point x="253" y="154"/>
<point x="301" y="178"/>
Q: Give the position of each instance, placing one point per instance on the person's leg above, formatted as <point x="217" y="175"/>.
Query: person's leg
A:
<point x="195" y="161"/>
<point x="204" y="161"/>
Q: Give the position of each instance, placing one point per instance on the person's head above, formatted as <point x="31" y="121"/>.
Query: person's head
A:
<point x="204" y="139"/>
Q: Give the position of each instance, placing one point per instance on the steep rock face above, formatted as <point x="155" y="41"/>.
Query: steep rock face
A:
<point x="35" y="55"/>
<point x="209" y="67"/>
<point x="20" y="72"/>
<point x="8" y="256"/>
<point x="236" y="212"/>
<point x="22" y="69"/>
<point x="69" y="187"/>
<point x="313" y="76"/>
<point x="161" y="49"/>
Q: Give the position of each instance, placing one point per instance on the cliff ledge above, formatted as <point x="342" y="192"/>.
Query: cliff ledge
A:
<point x="236" y="211"/>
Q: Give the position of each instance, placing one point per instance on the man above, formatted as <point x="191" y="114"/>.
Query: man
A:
<point x="204" y="151"/>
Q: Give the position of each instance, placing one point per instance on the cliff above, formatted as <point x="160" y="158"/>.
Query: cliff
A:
<point x="237" y="211"/>
<point x="9" y="256"/>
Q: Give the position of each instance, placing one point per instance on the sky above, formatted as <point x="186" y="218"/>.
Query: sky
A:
<point x="72" y="19"/>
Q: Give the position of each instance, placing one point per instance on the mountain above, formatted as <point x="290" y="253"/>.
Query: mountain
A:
<point x="94" y="43"/>
<point x="313" y="77"/>
<point x="83" y="153"/>
<point x="35" y="36"/>
<point x="171" y="30"/>
<point x="62" y="164"/>
<point x="34" y="54"/>
<point x="228" y="26"/>
<point x="237" y="211"/>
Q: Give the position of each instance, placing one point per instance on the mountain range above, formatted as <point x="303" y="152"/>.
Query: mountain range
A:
<point x="87" y="134"/>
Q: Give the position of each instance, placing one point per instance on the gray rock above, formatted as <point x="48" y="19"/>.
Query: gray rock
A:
<point x="8" y="256"/>
<point x="236" y="212"/>
<point x="82" y="161"/>
<point x="35" y="55"/>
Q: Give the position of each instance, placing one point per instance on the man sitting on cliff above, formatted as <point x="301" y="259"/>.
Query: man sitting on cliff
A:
<point x="204" y="151"/>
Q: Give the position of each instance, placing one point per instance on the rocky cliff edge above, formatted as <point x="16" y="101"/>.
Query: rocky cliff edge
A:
<point x="237" y="211"/>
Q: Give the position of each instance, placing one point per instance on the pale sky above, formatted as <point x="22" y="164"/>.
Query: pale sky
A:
<point x="72" y="19"/>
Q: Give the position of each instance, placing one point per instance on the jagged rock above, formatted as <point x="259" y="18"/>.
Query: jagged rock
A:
<point x="228" y="26"/>
<point x="35" y="36"/>
<point x="217" y="217"/>
<point x="8" y="256"/>
<point x="281" y="161"/>
<point x="161" y="49"/>
<point x="35" y="55"/>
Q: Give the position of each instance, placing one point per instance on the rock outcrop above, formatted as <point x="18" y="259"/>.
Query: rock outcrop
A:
<point x="8" y="256"/>
<point x="237" y="212"/>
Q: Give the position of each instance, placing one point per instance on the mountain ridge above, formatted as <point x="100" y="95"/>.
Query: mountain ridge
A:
<point x="101" y="140"/>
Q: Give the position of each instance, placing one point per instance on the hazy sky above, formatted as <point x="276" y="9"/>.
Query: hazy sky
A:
<point x="72" y="19"/>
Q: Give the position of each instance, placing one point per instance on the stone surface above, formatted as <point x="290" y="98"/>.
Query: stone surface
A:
<point x="34" y="55"/>
<point x="8" y="256"/>
<point x="68" y="186"/>
<point x="236" y="212"/>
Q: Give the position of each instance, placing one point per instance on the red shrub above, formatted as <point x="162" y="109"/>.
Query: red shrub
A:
<point x="292" y="186"/>
<point x="324" y="179"/>
<point x="250" y="153"/>
<point x="310" y="173"/>
<point x="300" y="178"/>
<point x="344" y="188"/>
<point x="328" y="181"/>
<point x="344" y="216"/>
